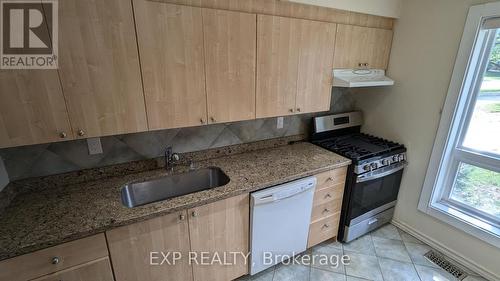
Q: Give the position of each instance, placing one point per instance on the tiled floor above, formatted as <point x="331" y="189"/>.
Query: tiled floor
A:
<point x="387" y="254"/>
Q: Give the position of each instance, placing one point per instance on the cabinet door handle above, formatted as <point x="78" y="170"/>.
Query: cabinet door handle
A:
<point x="182" y="217"/>
<point x="63" y="135"/>
<point x="81" y="133"/>
<point x="325" y="226"/>
<point x="291" y="110"/>
<point x="326" y="210"/>
<point x="329" y="179"/>
<point x="212" y="119"/>
<point x="202" y="121"/>
<point x="194" y="214"/>
<point x="55" y="260"/>
<point x="298" y="109"/>
<point x="328" y="195"/>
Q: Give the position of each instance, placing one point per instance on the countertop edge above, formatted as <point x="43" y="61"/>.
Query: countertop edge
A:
<point x="213" y="198"/>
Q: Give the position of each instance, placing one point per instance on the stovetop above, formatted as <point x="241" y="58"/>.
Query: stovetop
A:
<point x="358" y="146"/>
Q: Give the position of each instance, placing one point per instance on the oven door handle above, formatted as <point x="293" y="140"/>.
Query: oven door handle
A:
<point x="374" y="175"/>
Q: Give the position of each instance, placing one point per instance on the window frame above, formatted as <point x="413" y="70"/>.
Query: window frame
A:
<point x="458" y="152"/>
<point x="448" y="151"/>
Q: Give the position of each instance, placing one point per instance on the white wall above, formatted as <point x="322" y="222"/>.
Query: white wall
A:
<point x="426" y="41"/>
<point x="385" y="8"/>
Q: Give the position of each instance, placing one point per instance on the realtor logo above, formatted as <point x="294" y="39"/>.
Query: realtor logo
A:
<point x="28" y="34"/>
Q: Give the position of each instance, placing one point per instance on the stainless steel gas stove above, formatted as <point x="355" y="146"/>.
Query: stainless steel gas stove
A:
<point x="373" y="178"/>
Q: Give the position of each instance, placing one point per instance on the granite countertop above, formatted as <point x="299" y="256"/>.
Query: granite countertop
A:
<point x="60" y="213"/>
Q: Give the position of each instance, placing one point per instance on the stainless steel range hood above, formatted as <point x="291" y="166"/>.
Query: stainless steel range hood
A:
<point x="351" y="78"/>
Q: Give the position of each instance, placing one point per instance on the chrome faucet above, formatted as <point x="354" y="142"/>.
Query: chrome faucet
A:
<point x="170" y="159"/>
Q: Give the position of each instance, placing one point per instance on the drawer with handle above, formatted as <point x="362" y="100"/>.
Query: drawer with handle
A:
<point x="324" y="195"/>
<point x="53" y="259"/>
<point x="98" y="270"/>
<point x="326" y="209"/>
<point x="329" y="178"/>
<point x="323" y="229"/>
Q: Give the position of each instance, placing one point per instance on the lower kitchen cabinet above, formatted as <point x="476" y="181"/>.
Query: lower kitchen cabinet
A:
<point x="82" y="260"/>
<point x="134" y="248"/>
<point x="323" y="229"/>
<point x="222" y="227"/>
<point x="327" y="204"/>
<point x="99" y="270"/>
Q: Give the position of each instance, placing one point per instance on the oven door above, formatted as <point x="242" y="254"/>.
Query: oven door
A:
<point x="375" y="191"/>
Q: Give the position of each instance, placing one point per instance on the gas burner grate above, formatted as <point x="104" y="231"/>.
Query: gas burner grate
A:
<point x="358" y="146"/>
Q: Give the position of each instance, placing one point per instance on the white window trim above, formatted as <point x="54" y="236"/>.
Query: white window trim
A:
<point x="455" y="107"/>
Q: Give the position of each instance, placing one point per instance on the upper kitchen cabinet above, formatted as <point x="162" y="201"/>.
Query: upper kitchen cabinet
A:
<point x="99" y="67"/>
<point x="294" y="65"/>
<point x="170" y="41"/>
<point x="278" y="47"/>
<point x="230" y="50"/>
<point x="32" y="108"/>
<point x="356" y="46"/>
<point x="314" y="83"/>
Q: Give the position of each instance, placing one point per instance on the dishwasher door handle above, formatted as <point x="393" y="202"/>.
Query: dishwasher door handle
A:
<point x="264" y="199"/>
<point x="276" y="198"/>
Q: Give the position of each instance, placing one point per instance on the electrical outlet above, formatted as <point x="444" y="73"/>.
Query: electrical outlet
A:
<point x="279" y="122"/>
<point x="94" y="145"/>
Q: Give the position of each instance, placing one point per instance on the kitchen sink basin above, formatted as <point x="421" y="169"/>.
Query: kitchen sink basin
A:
<point x="141" y="193"/>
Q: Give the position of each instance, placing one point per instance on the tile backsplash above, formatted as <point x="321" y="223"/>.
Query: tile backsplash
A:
<point x="54" y="158"/>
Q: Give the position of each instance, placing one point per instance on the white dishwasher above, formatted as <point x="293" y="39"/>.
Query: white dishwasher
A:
<point x="280" y="218"/>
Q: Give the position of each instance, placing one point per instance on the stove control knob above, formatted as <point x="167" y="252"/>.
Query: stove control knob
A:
<point x="395" y="158"/>
<point x="401" y="157"/>
<point x="367" y="167"/>
<point x="374" y="165"/>
<point x="385" y="162"/>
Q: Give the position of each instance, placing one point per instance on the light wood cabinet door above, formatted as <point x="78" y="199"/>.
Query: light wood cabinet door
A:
<point x="230" y="47"/>
<point x="130" y="249"/>
<point x="170" y="41"/>
<point x="54" y="259"/>
<point x="323" y="229"/>
<point x="362" y="45"/>
<point x="99" y="67"/>
<point x="294" y="66"/>
<point x="32" y="108"/>
<point x="314" y="85"/>
<point x="221" y="227"/>
<point x="99" y="270"/>
<point x="278" y="48"/>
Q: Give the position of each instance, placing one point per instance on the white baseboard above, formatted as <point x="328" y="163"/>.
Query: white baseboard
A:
<point x="479" y="269"/>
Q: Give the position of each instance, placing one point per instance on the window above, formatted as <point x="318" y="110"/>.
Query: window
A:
<point x="474" y="161"/>
<point x="462" y="185"/>
<point x="478" y="189"/>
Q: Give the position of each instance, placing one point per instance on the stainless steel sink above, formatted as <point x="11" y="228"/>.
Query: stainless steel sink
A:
<point x="141" y="193"/>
